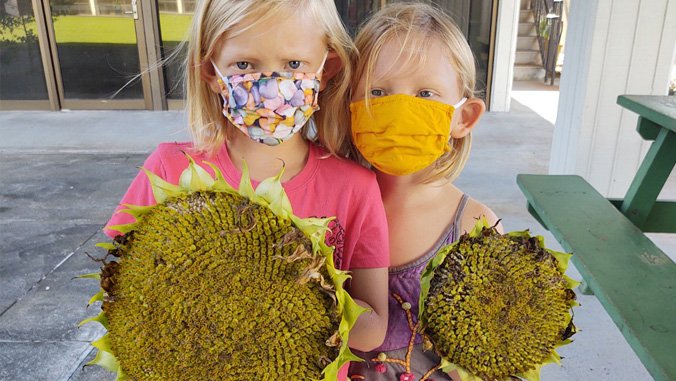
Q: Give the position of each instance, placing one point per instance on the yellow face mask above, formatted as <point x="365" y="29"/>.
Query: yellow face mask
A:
<point x="401" y="134"/>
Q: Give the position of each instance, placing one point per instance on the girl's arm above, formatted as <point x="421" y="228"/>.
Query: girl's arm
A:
<point x="368" y="288"/>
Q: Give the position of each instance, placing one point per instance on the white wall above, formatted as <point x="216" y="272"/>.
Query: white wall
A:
<point x="505" y="52"/>
<point x="613" y="47"/>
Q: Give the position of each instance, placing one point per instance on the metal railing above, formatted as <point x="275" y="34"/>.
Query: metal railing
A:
<point x="548" y="24"/>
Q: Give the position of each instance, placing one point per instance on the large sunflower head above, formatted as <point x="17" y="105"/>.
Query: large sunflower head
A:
<point x="213" y="284"/>
<point x="497" y="306"/>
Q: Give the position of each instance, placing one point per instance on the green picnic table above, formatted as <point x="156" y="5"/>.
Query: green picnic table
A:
<point x="632" y="278"/>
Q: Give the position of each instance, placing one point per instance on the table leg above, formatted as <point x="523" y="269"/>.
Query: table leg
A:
<point x="650" y="178"/>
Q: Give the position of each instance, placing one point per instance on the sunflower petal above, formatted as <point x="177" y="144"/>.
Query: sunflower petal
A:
<point x="105" y="360"/>
<point x="195" y="178"/>
<point x="100" y="318"/>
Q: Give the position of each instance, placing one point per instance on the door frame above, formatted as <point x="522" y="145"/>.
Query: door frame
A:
<point x="147" y="42"/>
<point x="52" y="101"/>
<point x="491" y="53"/>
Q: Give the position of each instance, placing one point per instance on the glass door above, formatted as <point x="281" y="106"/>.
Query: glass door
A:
<point x="22" y="78"/>
<point x="175" y="18"/>
<point x="97" y="54"/>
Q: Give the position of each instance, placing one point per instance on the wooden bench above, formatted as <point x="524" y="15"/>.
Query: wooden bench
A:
<point x="632" y="278"/>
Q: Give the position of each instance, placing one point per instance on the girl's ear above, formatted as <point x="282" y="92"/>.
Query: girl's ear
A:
<point x="332" y="67"/>
<point x="468" y="115"/>
<point x="209" y="76"/>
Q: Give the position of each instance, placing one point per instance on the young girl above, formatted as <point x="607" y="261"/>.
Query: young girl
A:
<point x="235" y="117"/>
<point x="412" y="113"/>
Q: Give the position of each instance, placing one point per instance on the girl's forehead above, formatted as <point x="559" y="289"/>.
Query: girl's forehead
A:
<point x="289" y="31"/>
<point x="271" y="26"/>
<point x="404" y="58"/>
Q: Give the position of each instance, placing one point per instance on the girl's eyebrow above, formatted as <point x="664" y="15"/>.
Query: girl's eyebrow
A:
<point x="248" y="56"/>
<point x="231" y="58"/>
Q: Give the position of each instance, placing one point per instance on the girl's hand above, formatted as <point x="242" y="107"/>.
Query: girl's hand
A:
<point x="368" y="288"/>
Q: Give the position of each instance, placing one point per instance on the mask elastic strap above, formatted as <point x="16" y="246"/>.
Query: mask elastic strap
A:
<point x="217" y="71"/>
<point x="462" y="102"/>
<point x="323" y="62"/>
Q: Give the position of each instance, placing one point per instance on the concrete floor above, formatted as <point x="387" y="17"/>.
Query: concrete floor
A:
<point x="63" y="173"/>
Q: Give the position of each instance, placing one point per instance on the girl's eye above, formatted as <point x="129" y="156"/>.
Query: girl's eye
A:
<point x="377" y="93"/>
<point x="294" y="64"/>
<point x="425" y="94"/>
<point x="242" y="65"/>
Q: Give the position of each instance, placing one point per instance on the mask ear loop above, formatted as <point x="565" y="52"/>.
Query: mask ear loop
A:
<point x="217" y="71"/>
<point x="460" y="103"/>
<point x="318" y="73"/>
<point x="321" y="67"/>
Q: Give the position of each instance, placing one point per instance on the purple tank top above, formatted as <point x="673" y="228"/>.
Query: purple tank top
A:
<point x="405" y="281"/>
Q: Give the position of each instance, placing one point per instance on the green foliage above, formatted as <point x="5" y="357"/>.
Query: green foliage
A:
<point x="17" y="30"/>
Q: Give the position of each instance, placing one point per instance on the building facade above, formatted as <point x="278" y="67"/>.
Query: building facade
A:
<point x="104" y="54"/>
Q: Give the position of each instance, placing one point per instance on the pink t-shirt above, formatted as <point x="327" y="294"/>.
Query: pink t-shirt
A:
<point x="326" y="187"/>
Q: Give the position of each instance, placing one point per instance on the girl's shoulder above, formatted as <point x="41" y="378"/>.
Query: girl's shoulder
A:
<point x="474" y="210"/>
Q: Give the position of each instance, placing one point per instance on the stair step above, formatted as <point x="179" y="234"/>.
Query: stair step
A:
<point x="526" y="16"/>
<point x="525" y="4"/>
<point x="528" y="73"/>
<point x="524" y="57"/>
<point x="526" y="43"/>
<point x="527" y="29"/>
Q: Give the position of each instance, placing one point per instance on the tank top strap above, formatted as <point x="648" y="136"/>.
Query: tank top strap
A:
<point x="456" y="221"/>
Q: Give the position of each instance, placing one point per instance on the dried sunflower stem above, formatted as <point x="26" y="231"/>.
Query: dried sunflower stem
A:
<point x="429" y="372"/>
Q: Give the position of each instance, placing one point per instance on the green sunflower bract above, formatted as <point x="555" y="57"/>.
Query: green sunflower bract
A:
<point x="216" y="284"/>
<point x="497" y="306"/>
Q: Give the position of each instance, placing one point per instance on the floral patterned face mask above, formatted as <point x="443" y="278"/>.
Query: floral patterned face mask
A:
<point x="270" y="107"/>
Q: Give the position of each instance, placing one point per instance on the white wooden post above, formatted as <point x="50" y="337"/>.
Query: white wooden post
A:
<point x="505" y="53"/>
<point x="613" y="47"/>
<point x="94" y="6"/>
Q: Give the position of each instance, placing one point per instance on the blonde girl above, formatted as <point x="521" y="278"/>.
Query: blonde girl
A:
<point x="256" y="73"/>
<point x="413" y="111"/>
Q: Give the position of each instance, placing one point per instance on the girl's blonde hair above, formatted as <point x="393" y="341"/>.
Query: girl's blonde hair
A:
<point x="213" y="19"/>
<point x="415" y="26"/>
